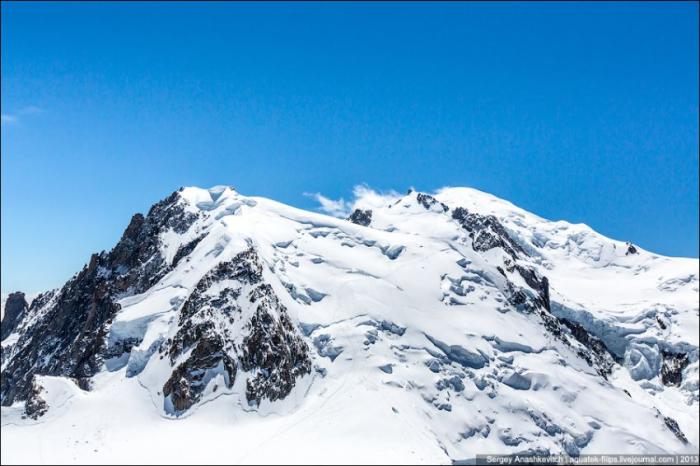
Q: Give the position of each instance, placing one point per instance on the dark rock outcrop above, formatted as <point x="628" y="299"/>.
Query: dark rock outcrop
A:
<point x="15" y="308"/>
<point x="272" y="352"/>
<point x="35" y="406"/>
<point x="205" y="321"/>
<point x="361" y="217"/>
<point x="597" y="355"/>
<point x="486" y="232"/>
<point x="672" y="368"/>
<point x="428" y="201"/>
<point x="185" y="250"/>
<point x="631" y="249"/>
<point x="68" y="338"/>
<point x="674" y="427"/>
<point x="538" y="283"/>
<point x="188" y="381"/>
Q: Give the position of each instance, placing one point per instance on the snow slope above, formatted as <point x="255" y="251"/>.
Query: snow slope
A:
<point x="433" y="334"/>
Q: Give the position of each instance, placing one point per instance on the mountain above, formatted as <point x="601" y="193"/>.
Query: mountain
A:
<point x="431" y="328"/>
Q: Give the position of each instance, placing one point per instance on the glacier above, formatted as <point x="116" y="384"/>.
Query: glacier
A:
<point x="422" y="328"/>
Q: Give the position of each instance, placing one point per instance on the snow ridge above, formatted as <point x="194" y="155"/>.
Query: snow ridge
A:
<point x="423" y="328"/>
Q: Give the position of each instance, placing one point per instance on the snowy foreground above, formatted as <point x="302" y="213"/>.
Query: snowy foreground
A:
<point x="414" y="332"/>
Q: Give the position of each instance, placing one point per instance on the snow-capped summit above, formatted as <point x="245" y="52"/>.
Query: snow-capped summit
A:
<point x="224" y="328"/>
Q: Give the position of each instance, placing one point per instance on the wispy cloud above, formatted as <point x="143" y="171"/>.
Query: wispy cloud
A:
<point x="10" y="118"/>
<point x="336" y="208"/>
<point x="369" y="198"/>
<point x="6" y="118"/>
<point x="364" y="197"/>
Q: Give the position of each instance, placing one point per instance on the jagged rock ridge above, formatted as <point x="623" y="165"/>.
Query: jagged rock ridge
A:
<point x="454" y="308"/>
<point x="68" y="339"/>
<point x="15" y="308"/>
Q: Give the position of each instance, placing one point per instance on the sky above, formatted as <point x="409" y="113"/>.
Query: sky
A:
<point x="582" y="112"/>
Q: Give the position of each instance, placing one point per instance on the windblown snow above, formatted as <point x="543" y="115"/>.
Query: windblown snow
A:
<point x="427" y="329"/>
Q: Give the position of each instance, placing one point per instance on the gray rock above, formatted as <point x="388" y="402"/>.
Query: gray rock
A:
<point x="15" y="309"/>
<point x="361" y="217"/>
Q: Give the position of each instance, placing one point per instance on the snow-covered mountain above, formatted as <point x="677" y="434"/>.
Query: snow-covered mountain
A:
<point x="425" y="328"/>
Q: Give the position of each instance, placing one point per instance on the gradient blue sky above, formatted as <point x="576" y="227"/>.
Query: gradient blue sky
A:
<point x="584" y="112"/>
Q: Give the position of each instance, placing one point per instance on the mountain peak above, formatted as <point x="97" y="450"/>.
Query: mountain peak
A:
<point x="481" y="325"/>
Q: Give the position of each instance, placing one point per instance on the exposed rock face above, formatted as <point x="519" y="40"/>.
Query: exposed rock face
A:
<point x="15" y="308"/>
<point x="215" y="335"/>
<point x="361" y="217"/>
<point x="206" y="321"/>
<point x="229" y="301"/>
<point x="673" y="426"/>
<point x="429" y="202"/>
<point x="538" y="283"/>
<point x="672" y="368"/>
<point x="218" y="325"/>
<point x="631" y="249"/>
<point x="273" y="350"/>
<point x="188" y="381"/>
<point x="486" y="232"/>
<point x="184" y="250"/>
<point x="36" y="406"/>
<point x="68" y="338"/>
<point x="597" y="354"/>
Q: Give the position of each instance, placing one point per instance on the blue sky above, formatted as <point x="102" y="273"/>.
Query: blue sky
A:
<point x="584" y="112"/>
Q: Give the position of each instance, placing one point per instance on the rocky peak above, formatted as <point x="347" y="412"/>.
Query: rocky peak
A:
<point x="442" y="310"/>
<point x="69" y="338"/>
<point x="15" y="308"/>
<point x="136" y="260"/>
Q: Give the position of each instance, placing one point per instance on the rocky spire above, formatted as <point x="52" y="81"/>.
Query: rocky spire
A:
<point x="15" y="308"/>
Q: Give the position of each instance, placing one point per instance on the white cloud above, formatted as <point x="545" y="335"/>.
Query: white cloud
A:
<point x="364" y="197"/>
<point x="8" y="118"/>
<point x="368" y="198"/>
<point x="336" y="208"/>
